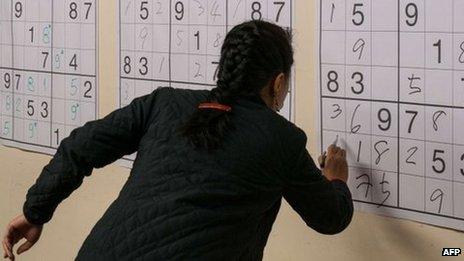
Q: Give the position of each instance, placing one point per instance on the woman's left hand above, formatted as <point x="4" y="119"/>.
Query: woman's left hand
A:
<point x="17" y="229"/>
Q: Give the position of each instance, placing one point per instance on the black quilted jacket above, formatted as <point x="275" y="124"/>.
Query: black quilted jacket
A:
<point x="185" y="204"/>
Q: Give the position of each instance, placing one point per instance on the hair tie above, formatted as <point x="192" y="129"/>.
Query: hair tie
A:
<point x="214" y="106"/>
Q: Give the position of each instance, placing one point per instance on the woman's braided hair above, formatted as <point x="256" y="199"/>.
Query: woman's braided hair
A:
<point x="252" y="55"/>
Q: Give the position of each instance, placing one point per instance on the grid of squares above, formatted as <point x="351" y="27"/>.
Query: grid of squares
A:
<point x="47" y="69"/>
<point x="392" y="77"/>
<point x="177" y="42"/>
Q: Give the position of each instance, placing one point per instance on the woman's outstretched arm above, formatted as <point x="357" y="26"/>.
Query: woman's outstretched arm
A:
<point x="94" y="145"/>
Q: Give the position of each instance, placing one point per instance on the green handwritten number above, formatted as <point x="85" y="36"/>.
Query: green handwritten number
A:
<point x="73" y="86"/>
<point x="6" y="128"/>
<point x="74" y="111"/>
<point x="46" y="34"/>
<point x="30" y="84"/>
<point x="32" y="129"/>
<point x="8" y="102"/>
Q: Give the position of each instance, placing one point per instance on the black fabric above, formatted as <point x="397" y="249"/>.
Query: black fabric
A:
<point x="181" y="203"/>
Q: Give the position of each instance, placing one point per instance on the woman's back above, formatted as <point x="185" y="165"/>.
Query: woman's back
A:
<point x="185" y="202"/>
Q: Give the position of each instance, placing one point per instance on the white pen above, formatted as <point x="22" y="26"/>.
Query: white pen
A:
<point x="325" y="153"/>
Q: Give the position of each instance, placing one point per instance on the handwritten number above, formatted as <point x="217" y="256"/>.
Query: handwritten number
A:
<point x="359" y="46"/>
<point x="414" y="89"/>
<point x="356" y="128"/>
<point x="436" y="117"/>
<point x="411" y="152"/>
<point x="461" y="56"/>
<point x="384" y="191"/>
<point x="366" y="183"/>
<point x="332" y="13"/>
<point x="437" y="195"/>
<point x="380" y="153"/>
<point x="337" y="111"/>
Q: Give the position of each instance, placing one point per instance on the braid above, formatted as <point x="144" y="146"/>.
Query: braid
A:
<point x="252" y="54"/>
<point x="235" y="59"/>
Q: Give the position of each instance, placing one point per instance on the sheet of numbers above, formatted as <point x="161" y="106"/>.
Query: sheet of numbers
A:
<point x="177" y="42"/>
<point x="47" y="70"/>
<point x="391" y="78"/>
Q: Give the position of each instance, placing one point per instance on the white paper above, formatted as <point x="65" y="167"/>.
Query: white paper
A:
<point x="48" y="68"/>
<point x="391" y="81"/>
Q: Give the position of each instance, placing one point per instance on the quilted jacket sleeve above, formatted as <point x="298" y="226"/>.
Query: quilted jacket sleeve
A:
<point x="326" y="206"/>
<point x="94" y="145"/>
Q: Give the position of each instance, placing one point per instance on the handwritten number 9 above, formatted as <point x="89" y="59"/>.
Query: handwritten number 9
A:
<point x="436" y="158"/>
<point x="437" y="195"/>
<point x="359" y="13"/>
<point x="412" y="14"/>
<point x="384" y="117"/>
<point x="179" y="8"/>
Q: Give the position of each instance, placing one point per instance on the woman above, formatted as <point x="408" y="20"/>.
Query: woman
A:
<point x="211" y="166"/>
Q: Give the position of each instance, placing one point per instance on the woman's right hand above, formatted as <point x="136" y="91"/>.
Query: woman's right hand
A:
<point x="334" y="164"/>
<point x="16" y="230"/>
